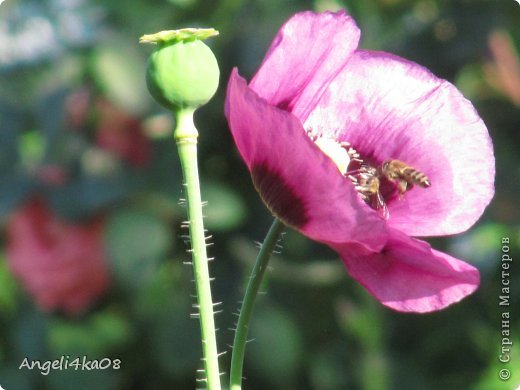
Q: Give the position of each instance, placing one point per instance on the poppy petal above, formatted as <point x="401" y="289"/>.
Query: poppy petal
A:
<point x="308" y="51"/>
<point x="391" y="108"/>
<point x="409" y="276"/>
<point x="299" y="184"/>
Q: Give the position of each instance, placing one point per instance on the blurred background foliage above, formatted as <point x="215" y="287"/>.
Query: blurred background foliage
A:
<point x="86" y="157"/>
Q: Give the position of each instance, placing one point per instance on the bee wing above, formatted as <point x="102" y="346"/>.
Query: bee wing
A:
<point x="379" y="204"/>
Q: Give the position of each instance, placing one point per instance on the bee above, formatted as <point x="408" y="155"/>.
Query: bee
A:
<point x="403" y="175"/>
<point x="367" y="181"/>
<point x="368" y="184"/>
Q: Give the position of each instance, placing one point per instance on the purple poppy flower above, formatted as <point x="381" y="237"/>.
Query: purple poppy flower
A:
<point x="361" y="150"/>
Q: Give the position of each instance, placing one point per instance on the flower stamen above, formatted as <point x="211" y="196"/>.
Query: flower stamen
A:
<point x="368" y="179"/>
<point x="364" y="177"/>
<point x="338" y="153"/>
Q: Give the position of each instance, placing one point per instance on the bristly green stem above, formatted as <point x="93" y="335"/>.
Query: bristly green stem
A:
<point x="185" y="135"/>
<point x="239" y="344"/>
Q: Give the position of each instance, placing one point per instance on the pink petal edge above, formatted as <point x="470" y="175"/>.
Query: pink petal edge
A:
<point x="391" y="108"/>
<point x="307" y="52"/>
<point x="409" y="276"/>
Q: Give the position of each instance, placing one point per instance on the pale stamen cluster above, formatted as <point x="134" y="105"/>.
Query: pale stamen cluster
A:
<point x="363" y="176"/>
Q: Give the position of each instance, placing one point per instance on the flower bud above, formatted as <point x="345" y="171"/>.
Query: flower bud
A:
<point x="182" y="72"/>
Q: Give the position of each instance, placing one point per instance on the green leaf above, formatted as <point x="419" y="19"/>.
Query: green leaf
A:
<point x="164" y="292"/>
<point x="119" y="68"/>
<point x="327" y="370"/>
<point x="480" y="245"/>
<point x="277" y="347"/>
<point x="94" y="337"/>
<point x="136" y="241"/>
<point x="225" y="209"/>
<point x="8" y="289"/>
<point x="31" y="146"/>
<point x="175" y="343"/>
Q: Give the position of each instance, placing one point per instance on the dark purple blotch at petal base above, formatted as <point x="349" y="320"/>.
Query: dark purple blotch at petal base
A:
<point x="311" y="194"/>
<point x="278" y="195"/>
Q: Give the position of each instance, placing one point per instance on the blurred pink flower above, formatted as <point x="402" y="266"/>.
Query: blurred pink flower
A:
<point x="52" y="175"/>
<point x="315" y="126"/>
<point x="61" y="264"/>
<point x="122" y="134"/>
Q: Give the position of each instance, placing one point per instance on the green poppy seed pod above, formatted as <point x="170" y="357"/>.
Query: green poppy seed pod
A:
<point x="183" y="71"/>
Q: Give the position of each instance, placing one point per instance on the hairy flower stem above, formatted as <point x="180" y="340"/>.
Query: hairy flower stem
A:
<point x="185" y="135"/>
<point x="239" y="344"/>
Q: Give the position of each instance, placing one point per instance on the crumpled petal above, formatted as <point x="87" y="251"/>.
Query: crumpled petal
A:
<point x="295" y="179"/>
<point x="391" y="108"/>
<point x="308" y="51"/>
<point x="409" y="276"/>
